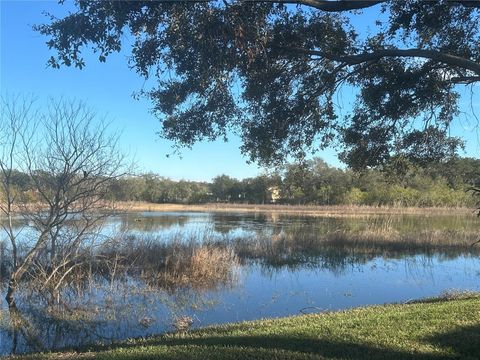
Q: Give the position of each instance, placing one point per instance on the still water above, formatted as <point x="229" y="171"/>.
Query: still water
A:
<point x="246" y="267"/>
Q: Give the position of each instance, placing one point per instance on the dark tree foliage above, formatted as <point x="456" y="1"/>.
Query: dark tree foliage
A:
<point x="270" y="70"/>
<point x="312" y="182"/>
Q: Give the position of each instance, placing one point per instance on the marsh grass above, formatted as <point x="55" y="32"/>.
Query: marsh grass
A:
<point x="334" y="249"/>
<point x="426" y="240"/>
<point x="182" y="323"/>
<point x="3" y="319"/>
<point x="385" y="231"/>
<point x="204" y="260"/>
<point x="195" y="262"/>
<point x="313" y="210"/>
<point x="204" y="267"/>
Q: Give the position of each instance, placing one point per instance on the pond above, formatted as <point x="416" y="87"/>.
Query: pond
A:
<point x="185" y="270"/>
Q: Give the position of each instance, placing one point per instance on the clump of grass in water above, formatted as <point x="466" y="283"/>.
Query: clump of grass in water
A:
<point x="204" y="267"/>
<point x="182" y="323"/>
<point x="196" y="262"/>
<point x="3" y="318"/>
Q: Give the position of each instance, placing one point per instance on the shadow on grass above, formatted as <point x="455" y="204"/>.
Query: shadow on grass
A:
<point x="222" y="343"/>
<point x="463" y="343"/>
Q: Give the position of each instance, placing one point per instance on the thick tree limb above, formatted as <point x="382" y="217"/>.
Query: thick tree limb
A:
<point x="452" y="60"/>
<point x="324" y="5"/>
<point x="465" y="79"/>
<point x="328" y="5"/>
<point x="468" y="3"/>
<point x="333" y="5"/>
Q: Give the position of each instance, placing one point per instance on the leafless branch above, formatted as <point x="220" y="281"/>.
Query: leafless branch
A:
<point x="70" y="159"/>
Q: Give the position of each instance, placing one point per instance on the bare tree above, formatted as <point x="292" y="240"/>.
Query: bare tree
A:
<point x="70" y="158"/>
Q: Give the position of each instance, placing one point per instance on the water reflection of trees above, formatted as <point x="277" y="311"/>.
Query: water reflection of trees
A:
<point x="34" y="328"/>
<point x="143" y="224"/>
<point x="128" y="309"/>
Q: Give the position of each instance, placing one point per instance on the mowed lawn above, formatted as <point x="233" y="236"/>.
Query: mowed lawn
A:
<point x="440" y="329"/>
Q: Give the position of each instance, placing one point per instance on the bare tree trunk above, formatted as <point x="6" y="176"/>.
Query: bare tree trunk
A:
<point x="72" y="146"/>
<point x="22" y="326"/>
<point x="2" y="259"/>
<point x="12" y="288"/>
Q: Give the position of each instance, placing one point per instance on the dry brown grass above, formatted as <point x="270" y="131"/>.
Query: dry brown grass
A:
<point x="203" y="267"/>
<point x="312" y="210"/>
<point x="338" y="246"/>
<point x="425" y="239"/>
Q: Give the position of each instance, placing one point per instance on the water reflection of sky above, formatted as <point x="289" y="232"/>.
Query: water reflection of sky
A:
<point x="261" y="289"/>
<point x="221" y="225"/>
<point x="261" y="293"/>
<point x="167" y="224"/>
<point x="185" y="224"/>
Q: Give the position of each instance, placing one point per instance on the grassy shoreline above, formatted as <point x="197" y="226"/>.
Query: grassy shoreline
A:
<point x="435" y="329"/>
<point x="312" y="210"/>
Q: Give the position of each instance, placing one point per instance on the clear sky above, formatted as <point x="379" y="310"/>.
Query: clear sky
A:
<point x="108" y="87"/>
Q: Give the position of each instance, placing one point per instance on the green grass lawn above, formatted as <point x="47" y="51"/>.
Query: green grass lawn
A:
<point x="428" y="330"/>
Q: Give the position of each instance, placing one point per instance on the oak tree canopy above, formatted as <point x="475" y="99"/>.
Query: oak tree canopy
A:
<point x="271" y="71"/>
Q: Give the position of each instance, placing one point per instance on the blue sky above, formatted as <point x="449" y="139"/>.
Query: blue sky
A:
<point x="108" y="87"/>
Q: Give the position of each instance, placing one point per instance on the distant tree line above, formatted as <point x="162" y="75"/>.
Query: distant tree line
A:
<point x="314" y="182"/>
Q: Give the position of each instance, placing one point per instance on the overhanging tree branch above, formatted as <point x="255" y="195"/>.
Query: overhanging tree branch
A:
<point x="375" y="55"/>
<point x="324" y="5"/>
<point x="465" y="79"/>
<point x="290" y="62"/>
<point x="327" y="5"/>
<point x="467" y="3"/>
